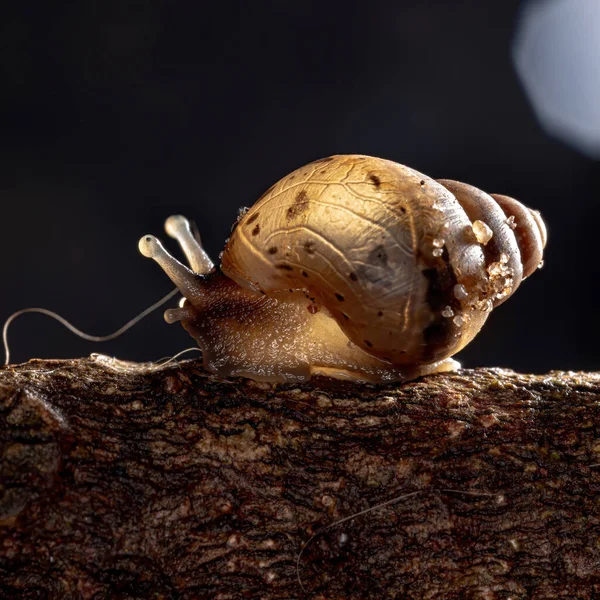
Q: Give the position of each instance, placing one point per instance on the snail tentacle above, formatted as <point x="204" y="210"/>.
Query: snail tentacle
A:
<point x="188" y="282"/>
<point x="179" y="228"/>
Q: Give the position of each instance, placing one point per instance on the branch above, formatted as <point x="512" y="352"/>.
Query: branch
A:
<point x="129" y="481"/>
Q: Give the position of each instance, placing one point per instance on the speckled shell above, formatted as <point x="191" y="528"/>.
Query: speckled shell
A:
<point x="389" y="252"/>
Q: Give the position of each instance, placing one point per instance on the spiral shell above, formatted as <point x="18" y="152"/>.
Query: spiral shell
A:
<point x="408" y="266"/>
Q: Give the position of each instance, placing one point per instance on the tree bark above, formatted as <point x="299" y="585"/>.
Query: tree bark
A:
<point x="129" y="481"/>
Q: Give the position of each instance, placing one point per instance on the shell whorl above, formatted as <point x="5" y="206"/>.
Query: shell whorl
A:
<point x="530" y="231"/>
<point x="518" y="232"/>
<point x="391" y="254"/>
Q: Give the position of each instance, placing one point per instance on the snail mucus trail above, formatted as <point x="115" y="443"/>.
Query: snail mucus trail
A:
<point x="353" y="267"/>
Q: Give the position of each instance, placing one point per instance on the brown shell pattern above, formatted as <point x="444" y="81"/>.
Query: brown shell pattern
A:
<point x="393" y="255"/>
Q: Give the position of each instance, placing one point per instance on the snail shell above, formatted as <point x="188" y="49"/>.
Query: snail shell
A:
<point x="394" y="256"/>
<point x="355" y="267"/>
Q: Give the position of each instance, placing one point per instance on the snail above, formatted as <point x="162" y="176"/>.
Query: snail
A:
<point x="352" y="267"/>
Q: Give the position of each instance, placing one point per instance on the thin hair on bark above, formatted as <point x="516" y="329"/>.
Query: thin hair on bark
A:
<point x="371" y="509"/>
<point x="167" y="360"/>
<point x="75" y="330"/>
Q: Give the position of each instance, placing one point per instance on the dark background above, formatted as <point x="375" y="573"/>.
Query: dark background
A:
<point x="117" y="114"/>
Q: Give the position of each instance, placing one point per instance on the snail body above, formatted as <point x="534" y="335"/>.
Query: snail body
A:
<point x="354" y="267"/>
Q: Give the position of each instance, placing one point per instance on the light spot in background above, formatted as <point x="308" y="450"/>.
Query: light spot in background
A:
<point x="556" y="53"/>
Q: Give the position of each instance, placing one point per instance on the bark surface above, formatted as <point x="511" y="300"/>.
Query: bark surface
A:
<point x="128" y="481"/>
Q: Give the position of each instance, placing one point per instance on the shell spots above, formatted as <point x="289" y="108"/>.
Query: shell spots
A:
<point x="256" y="230"/>
<point x="340" y="298"/>
<point x="422" y="182"/>
<point x="253" y="218"/>
<point x="353" y="276"/>
<point x="309" y="247"/>
<point x="301" y="204"/>
<point x="272" y="250"/>
<point x="374" y="179"/>
<point x="304" y="274"/>
<point x="284" y="267"/>
<point x="376" y="269"/>
<point x="440" y="295"/>
<point x="368" y="343"/>
<point x="436" y="339"/>
<point x="440" y="291"/>
<point x="378" y="256"/>
<point x="380" y="314"/>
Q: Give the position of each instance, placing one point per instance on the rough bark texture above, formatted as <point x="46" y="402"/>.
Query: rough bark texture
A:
<point x="123" y="481"/>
